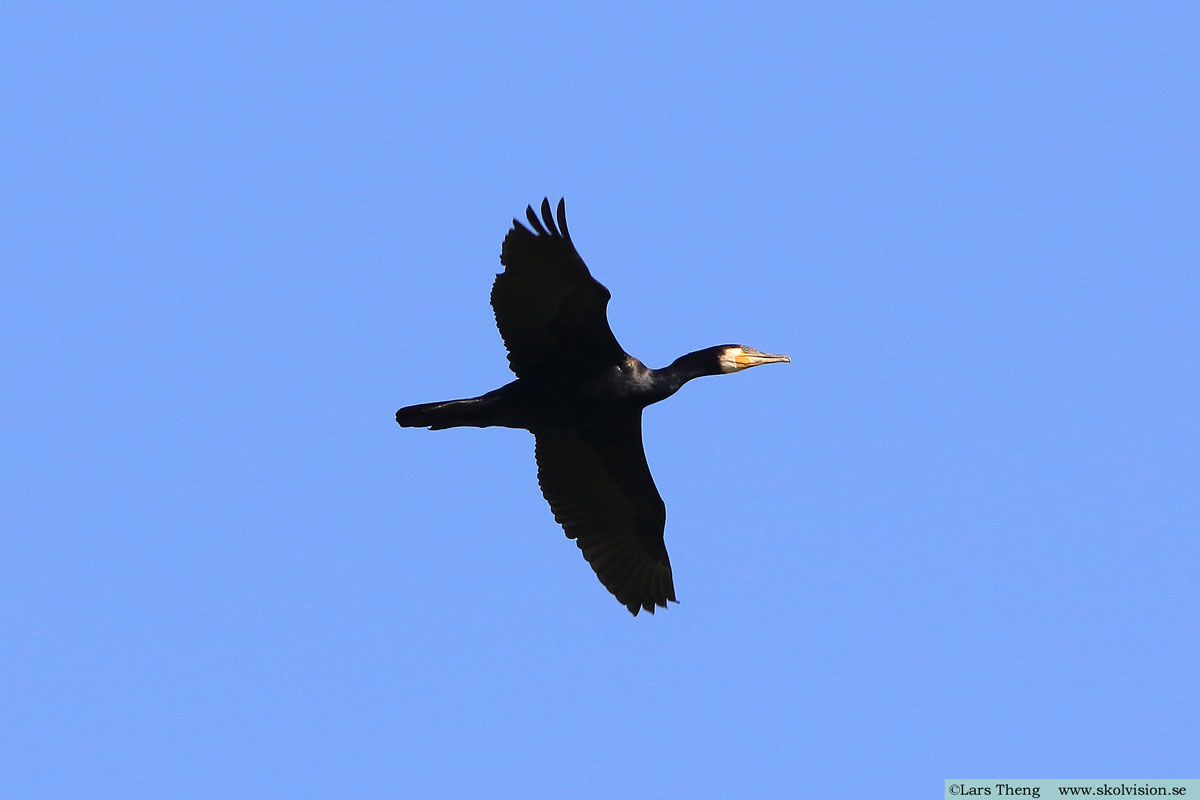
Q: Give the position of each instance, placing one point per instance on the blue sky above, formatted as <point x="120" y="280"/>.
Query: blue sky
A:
<point x="955" y="537"/>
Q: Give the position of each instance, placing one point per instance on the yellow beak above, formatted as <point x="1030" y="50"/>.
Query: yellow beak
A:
<point x="752" y="358"/>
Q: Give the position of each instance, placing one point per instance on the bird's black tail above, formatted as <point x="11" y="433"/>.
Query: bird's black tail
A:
<point x="446" y="414"/>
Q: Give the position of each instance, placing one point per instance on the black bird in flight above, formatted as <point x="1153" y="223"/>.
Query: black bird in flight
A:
<point x="582" y="396"/>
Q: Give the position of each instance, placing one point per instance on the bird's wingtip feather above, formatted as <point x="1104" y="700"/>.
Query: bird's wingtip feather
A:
<point x="548" y="218"/>
<point x="534" y="221"/>
<point x="562" y="219"/>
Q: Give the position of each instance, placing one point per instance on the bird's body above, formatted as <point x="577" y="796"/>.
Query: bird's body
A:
<point x="546" y="403"/>
<point x="582" y="396"/>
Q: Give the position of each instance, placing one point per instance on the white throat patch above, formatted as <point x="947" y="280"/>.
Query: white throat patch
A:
<point x="728" y="359"/>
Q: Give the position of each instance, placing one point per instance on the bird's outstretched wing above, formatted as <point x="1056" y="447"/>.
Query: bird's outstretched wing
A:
<point x="600" y="490"/>
<point x="551" y="312"/>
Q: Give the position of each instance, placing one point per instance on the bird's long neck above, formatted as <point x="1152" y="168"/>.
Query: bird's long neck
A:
<point x="685" y="368"/>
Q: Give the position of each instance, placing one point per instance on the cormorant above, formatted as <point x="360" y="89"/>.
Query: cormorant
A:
<point x="582" y="396"/>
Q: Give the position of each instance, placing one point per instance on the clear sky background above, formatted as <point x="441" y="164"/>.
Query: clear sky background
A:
<point x="955" y="537"/>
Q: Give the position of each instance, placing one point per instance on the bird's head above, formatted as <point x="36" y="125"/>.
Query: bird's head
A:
<point x="736" y="357"/>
